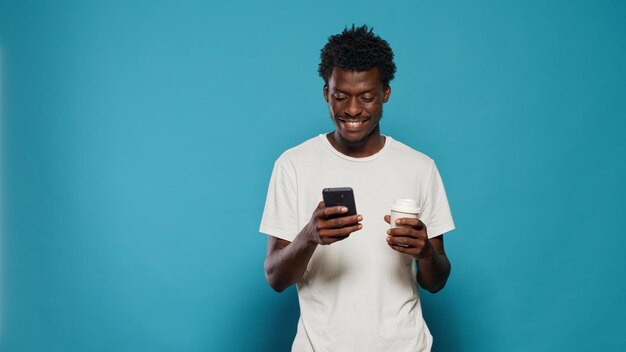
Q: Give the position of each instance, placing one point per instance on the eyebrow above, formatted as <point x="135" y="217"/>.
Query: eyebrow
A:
<point x="335" y="90"/>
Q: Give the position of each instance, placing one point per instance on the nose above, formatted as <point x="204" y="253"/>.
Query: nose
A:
<point x="353" y="108"/>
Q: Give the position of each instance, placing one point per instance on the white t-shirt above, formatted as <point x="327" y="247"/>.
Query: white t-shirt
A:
<point x="357" y="294"/>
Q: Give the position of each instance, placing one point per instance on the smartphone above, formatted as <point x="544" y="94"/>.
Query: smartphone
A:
<point x="339" y="196"/>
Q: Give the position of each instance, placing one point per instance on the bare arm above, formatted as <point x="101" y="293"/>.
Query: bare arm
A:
<point x="434" y="269"/>
<point x="286" y="261"/>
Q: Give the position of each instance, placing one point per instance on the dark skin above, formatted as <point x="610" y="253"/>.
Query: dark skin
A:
<point x="355" y="101"/>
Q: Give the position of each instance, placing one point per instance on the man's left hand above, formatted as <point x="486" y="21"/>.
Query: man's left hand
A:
<point x="411" y="238"/>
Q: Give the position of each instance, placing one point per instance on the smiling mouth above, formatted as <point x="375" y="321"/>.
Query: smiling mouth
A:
<point x="353" y="123"/>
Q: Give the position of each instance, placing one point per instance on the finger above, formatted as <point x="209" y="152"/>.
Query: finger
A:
<point x="399" y="245"/>
<point x="406" y="250"/>
<point x="405" y="242"/>
<point x="330" y="211"/>
<point x="388" y="219"/>
<point x="341" y="231"/>
<point x="405" y="232"/>
<point x="341" y="222"/>
<point x="414" y="223"/>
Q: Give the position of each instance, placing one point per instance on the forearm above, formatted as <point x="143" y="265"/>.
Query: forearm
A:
<point x="433" y="271"/>
<point x="286" y="266"/>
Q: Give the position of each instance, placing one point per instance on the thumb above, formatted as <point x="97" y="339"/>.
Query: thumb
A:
<point x="388" y="219"/>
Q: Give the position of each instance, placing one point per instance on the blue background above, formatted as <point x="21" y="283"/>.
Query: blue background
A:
<point x="138" y="140"/>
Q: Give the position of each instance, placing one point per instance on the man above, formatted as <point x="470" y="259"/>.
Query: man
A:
<point x="356" y="281"/>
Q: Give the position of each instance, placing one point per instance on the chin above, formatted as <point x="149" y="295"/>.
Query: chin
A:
<point x="353" y="140"/>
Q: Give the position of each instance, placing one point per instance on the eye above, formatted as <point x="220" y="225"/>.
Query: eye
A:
<point x="339" y="97"/>
<point x="367" y="98"/>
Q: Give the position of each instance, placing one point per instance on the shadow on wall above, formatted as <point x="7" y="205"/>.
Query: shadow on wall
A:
<point x="440" y="318"/>
<point x="283" y="324"/>
<point x="272" y="321"/>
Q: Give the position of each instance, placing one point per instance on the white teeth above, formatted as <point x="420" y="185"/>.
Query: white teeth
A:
<point x="353" y="123"/>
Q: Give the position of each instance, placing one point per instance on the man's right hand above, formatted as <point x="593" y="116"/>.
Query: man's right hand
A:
<point x="326" y="228"/>
<point x="286" y="261"/>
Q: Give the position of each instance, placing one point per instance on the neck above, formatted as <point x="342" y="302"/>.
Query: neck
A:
<point x="369" y="146"/>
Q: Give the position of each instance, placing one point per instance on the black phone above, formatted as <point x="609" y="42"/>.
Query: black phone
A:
<point x="340" y="196"/>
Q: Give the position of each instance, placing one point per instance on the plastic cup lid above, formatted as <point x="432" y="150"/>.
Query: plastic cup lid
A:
<point x="406" y="206"/>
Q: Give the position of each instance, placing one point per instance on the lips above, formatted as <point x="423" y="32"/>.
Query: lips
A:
<point x="352" y="124"/>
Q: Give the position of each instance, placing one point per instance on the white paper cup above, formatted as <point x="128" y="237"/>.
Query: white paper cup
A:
<point x="404" y="208"/>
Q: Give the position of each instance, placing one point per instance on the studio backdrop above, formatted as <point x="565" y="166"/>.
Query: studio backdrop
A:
<point x="138" y="139"/>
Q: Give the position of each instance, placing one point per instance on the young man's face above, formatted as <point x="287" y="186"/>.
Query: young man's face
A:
<point x="355" y="101"/>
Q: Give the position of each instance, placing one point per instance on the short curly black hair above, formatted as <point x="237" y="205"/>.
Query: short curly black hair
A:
<point x="357" y="49"/>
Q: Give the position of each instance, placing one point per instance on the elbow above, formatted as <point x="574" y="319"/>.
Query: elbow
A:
<point x="274" y="284"/>
<point x="436" y="283"/>
<point x="278" y="288"/>
<point x="436" y="289"/>
<point x="433" y="287"/>
<point x="272" y="279"/>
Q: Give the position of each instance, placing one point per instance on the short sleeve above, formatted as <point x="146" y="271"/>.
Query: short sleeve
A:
<point x="436" y="214"/>
<point x="280" y="213"/>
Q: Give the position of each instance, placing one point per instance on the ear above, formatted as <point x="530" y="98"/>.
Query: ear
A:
<point x="325" y="92"/>
<point x="386" y="94"/>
